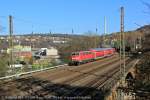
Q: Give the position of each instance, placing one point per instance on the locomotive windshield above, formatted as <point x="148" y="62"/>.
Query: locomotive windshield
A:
<point x="75" y="53"/>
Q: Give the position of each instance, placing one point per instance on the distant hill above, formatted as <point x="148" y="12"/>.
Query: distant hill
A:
<point x="48" y="34"/>
<point x="146" y="43"/>
<point x="132" y="37"/>
<point x="53" y="35"/>
<point x="144" y="29"/>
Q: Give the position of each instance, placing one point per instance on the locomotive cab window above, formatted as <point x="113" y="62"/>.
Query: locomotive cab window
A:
<point x="75" y="54"/>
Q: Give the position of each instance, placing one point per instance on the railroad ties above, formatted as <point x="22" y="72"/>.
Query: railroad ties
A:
<point x="92" y="80"/>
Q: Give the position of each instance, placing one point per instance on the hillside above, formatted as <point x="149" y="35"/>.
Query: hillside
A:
<point x="142" y="81"/>
<point x="146" y="31"/>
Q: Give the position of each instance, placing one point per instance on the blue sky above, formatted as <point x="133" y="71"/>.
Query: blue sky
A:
<point x="61" y="16"/>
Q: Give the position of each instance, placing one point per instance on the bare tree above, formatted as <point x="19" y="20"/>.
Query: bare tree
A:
<point x="148" y="6"/>
<point x="82" y="43"/>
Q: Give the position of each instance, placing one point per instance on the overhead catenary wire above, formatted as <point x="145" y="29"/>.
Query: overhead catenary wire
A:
<point x="31" y="24"/>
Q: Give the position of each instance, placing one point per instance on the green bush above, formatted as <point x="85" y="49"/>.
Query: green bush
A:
<point x="3" y="65"/>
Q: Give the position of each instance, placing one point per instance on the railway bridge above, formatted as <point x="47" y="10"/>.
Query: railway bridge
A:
<point x="88" y="81"/>
<point x="131" y="73"/>
<point x="128" y="79"/>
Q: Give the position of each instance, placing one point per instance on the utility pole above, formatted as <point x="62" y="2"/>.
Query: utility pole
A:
<point x="50" y="32"/>
<point x="122" y="55"/>
<point x="96" y="30"/>
<point x="123" y="39"/>
<point x="72" y="31"/>
<point x="105" y="31"/>
<point x="11" y="41"/>
<point x="96" y="37"/>
<point x="32" y="42"/>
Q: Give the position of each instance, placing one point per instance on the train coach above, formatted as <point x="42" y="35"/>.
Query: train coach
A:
<point x="90" y="55"/>
<point x="102" y="52"/>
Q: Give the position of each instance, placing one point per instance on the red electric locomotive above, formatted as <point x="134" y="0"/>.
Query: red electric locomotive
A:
<point x="81" y="57"/>
<point x="93" y="54"/>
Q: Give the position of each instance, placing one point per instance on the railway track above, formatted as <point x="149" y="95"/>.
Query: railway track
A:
<point x="57" y="73"/>
<point x="85" y="73"/>
<point x="78" y="90"/>
<point x="77" y="78"/>
<point x="81" y="80"/>
<point x="98" y="81"/>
